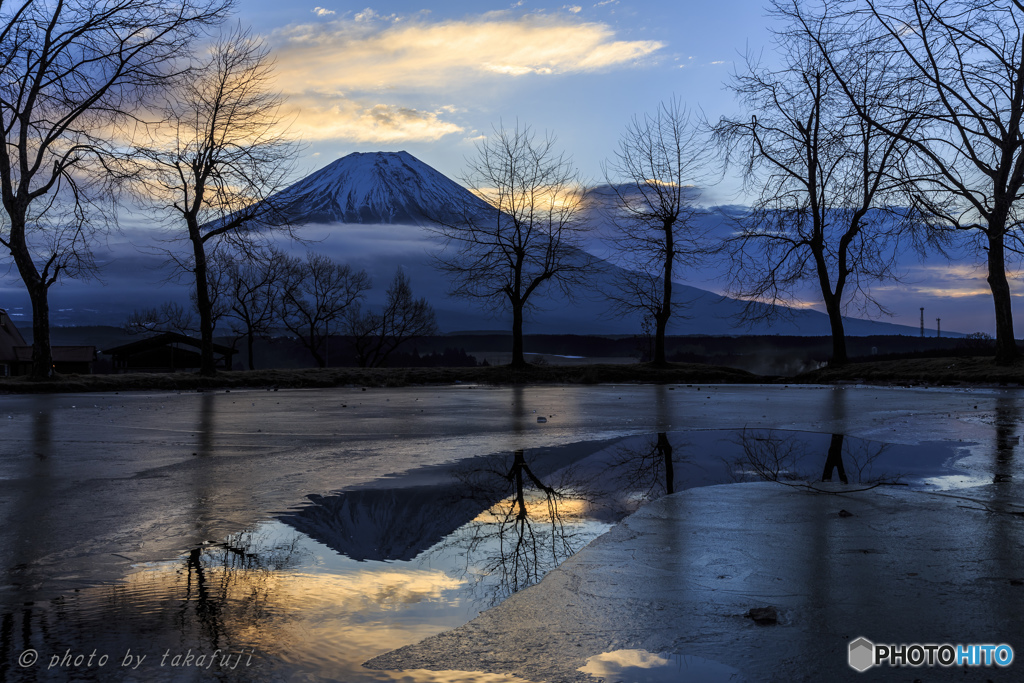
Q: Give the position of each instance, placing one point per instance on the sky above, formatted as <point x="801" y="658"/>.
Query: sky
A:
<point x="432" y="79"/>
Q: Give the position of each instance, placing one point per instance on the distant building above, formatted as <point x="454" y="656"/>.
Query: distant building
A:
<point x="166" y="352"/>
<point x="16" y="354"/>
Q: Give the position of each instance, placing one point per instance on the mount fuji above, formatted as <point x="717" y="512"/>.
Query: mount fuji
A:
<point x="377" y="188"/>
<point x="374" y="210"/>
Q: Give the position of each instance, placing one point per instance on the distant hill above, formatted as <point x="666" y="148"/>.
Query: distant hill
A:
<point x="374" y="211"/>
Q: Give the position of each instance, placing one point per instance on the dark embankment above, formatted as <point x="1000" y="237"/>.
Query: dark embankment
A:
<point x="385" y="377"/>
<point x="928" y="371"/>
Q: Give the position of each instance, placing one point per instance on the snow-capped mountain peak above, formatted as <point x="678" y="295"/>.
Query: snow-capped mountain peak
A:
<point x="376" y="187"/>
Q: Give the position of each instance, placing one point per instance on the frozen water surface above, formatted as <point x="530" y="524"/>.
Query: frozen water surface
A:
<point x="291" y="533"/>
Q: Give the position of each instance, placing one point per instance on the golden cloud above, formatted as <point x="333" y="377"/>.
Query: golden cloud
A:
<point x="369" y="52"/>
<point x="343" y="66"/>
<point x="319" y="118"/>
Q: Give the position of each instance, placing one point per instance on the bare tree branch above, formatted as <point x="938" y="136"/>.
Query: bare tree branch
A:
<point x="527" y="239"/>
<point x="966" y="56"/>
<point x="216" y="161"/>
<point x="73" y="73"/>
<point x="832" y="188"/>
<point x="655" y="179"/>
<point x="402" y="319"/>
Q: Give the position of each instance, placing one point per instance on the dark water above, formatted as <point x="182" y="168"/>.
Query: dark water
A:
<point x="323" y="587"/>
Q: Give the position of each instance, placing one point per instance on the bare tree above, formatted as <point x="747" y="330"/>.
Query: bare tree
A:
<point x="170" y="316"/>
<point x="253" y="290"/>
<point x="966" y="55"/>
<point x="71" y="73"/>
<point x="654" y="179"/>
<point x="316" y="294"/>
<point x="216" y="161"/>
<point x="829" y="185"/>
<point x="376" y="335"/>
<point x="527" y="239"/>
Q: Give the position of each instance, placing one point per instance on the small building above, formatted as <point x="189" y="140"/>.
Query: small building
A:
<point x="16" y="354"/>
<point x="10" y="339"/>
<point x="166" y="352"/>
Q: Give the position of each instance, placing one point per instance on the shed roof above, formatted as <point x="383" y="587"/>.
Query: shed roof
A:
<point x="163" y="339"/>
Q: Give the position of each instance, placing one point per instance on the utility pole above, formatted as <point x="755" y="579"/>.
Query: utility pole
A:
<point x="922" y="322"/>
<point x="938" y="327"/>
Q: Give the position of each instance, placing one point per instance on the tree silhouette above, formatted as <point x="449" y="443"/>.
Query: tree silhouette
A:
<point x="654" y="179"/>
<point x="376" y="335"/>
<point x="316" y="295"/>
<point x="216" y="161"/>
<point x="963" y="59"/>
<point x="829" y="184"/>
<point x="527" y="238"/>
<point x="72" y="74"/>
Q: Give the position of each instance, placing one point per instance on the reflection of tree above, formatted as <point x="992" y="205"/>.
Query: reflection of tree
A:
<point x="834" y="460"/>
<point x="771" y="456"/>
<point x="1006" y="418"/>
<point x="218" y="596"/>
<point x="527" y="528"/>
<point x="42" y="433"/>
<point x="644" y="473"/>
<point x="227" y="585"/>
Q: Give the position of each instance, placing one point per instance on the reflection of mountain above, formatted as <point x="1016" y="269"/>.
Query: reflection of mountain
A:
<point x="398" y="518"/>
<point x="389" y="524"/>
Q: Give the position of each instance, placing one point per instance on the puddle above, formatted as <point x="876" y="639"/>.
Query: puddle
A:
<point x="641" y="666"/>
<point x="331" y="584"/>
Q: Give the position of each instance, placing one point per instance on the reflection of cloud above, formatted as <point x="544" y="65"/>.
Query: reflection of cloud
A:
<point x="611" y="663"/>
<point x="538" y="508"/>
<point x="668" y="668"/>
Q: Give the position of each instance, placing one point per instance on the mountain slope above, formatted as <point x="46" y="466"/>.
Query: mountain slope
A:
<point x="377" y="188"/>
<point x="342" y="208"/>
<point x="398" y="189"/>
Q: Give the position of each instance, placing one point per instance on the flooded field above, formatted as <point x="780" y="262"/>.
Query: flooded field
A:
<point x="294" y="535"/>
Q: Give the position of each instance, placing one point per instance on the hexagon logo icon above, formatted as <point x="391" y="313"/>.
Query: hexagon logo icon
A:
<point x="862" y="654"/>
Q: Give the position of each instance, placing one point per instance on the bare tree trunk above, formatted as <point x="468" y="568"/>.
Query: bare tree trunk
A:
<point x="518" y="359"/>
<point x="661" y="319"/>
<point x="313" y="347"/>
<point x="1006" y="345"/>
<point x="660" y="323"/>
<point x="42" y="356"/>
<point x="207" y="367"/>
<point x="834" y="460"/>
<point x="835" y="321"/>
<point x="249" y="343"/>
<point x="38" y="292"/>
